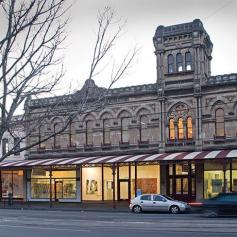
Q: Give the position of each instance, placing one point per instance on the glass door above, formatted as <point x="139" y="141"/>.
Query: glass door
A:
<point x="58" y="186"/>
<point x="182" y="182"/>
<point x="123" y="189"/>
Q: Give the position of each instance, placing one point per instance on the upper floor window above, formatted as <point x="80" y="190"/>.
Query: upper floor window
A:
<point x="89" y="132"/>
<point x="56" y="135"/>
<point x="189" y="128"/>
<point x="171" y="129"/>
<point x="220" y="122"/>
<point x="41" y="136"/>
<point x="170" y="63"/>
<point x="143" y="128"/>
<point x="106" y="131"/>
<point x="179" y="62"/>
<point x="180" y="129"/>
<point x="5" y="146"/>
<point x="17" y="145"/>
<point x="124" y="130"/>
<point x="188" y="61"/>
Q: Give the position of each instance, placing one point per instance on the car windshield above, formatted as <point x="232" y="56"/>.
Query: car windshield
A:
<point x="169" y="198"/>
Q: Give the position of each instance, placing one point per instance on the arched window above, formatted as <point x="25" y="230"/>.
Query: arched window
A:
<point x="106" y="131"/>
<point x="179" y="62"/>
<point x="189" y="128"/>
<point x="220" y="123"/>
<point x="188" y="61"/>
<point x="180" y="129"/>
<point x="41" y="136"/>
<point x="71" y="134"/>
<point x="124" y="130"/>
<point x="56" y="136"/>
<point x="89" y="132"/>
<point x="143" y="128"/>
<point x="170" y="63"/>
<point x="171" y="129"/>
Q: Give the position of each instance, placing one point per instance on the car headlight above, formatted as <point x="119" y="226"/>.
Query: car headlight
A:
<point x="182" y="205"/>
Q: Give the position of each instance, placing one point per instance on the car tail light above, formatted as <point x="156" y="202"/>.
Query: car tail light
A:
<point x="195" y="204"/>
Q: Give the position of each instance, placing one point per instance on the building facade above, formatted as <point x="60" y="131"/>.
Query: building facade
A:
<point x="177" y="136"/>
<point x="12" y="181"/>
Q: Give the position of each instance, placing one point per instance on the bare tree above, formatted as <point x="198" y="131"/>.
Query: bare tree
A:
<point x="35" y="32"/>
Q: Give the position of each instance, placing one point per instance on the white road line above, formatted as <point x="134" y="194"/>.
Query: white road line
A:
<point x="43" y="228"/>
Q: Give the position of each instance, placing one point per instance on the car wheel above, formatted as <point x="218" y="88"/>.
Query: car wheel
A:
<point x="137" y="209"/>
<point x="174" y="209"/>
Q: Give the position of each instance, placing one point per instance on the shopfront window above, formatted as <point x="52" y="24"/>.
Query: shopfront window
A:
<point x="216" y="180"/>
<point x="12" y="182"/>
<point x="63" y="184"/>
<point x="234" y="176"/>
<point x="108" y="183"/>
<point x="148" y="179"/>
<point x="91" y="183"/>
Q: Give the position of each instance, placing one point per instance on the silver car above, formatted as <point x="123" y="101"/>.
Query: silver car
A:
<point x="157" y="202"/>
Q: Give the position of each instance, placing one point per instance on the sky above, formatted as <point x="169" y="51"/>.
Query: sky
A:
<point x="143" y="16"/>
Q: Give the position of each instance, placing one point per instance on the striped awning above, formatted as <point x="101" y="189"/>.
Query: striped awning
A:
<point x="197" y="155"/>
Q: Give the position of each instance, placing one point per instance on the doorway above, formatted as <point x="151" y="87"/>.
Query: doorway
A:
<point x="58" y="188"/>
<point x="123" y="189"/>
<point x="182" y="181"/>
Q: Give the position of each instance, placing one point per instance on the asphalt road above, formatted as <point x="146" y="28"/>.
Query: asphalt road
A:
<point x="25" y="223"/>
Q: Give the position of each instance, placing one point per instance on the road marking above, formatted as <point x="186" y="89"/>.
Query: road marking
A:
<point x="43" y="228"/>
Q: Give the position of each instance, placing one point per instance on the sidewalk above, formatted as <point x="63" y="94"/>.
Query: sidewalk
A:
<point x="85" y="206"/>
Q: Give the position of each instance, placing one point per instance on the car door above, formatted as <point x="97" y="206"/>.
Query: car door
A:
<point x="160" y="203"/>
<point x="146" y="202"/>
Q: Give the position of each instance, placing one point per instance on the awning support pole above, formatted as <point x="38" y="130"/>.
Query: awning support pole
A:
<point x="113" y="173"/>
<point x="50" y="188"/>
<point x="135" y="186"/>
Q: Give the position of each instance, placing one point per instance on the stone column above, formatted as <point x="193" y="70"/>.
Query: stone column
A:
<point x="199" y="171"/>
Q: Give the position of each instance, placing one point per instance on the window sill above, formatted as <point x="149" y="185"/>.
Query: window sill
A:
<point x="179" y="73"/>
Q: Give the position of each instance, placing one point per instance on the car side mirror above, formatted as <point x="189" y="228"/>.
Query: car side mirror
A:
<point x="164" y="200"/>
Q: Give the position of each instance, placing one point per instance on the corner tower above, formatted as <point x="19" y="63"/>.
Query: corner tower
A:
<point x="183" y="56"/>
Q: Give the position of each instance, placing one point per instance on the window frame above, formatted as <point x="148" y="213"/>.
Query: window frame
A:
<point x="89" y="132"/>
<point x="179" y="62"/>
<point x="124" y="131"/>
<point x="179" y="128"/>
<point x="173" y="129"/>
<point x="141" y="128"/>
<point x="218" y="123"/>
<point x="170" y="63"/>
<point x="188" y="127"/>
<point x="108" y="142"/>
<point x="188" y="61"/>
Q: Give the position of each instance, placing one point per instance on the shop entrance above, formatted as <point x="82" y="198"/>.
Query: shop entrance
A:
<point x="182" y="184"/>
<point x="58" y="187"/>
<point x="123" y="189"/>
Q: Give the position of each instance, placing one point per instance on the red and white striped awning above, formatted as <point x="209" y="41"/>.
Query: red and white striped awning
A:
<point x="197" y="155"/>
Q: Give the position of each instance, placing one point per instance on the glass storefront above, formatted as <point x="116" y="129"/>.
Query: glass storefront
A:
<point x="63" y="184"/>
<point x="182" y="181"/>
<point x="216" y="178"/>
<point x="12" y="182"/>
<point x="234" y="176"/>
<point x="108" y="183"/>
<point x="91" y="183"/>
<point x="148" y="179"/>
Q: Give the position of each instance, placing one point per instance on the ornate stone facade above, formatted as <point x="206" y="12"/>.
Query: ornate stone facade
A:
<point x="136" y="119"/>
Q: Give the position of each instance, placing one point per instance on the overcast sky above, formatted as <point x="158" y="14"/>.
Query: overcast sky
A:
<point x="143" y="16"/>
